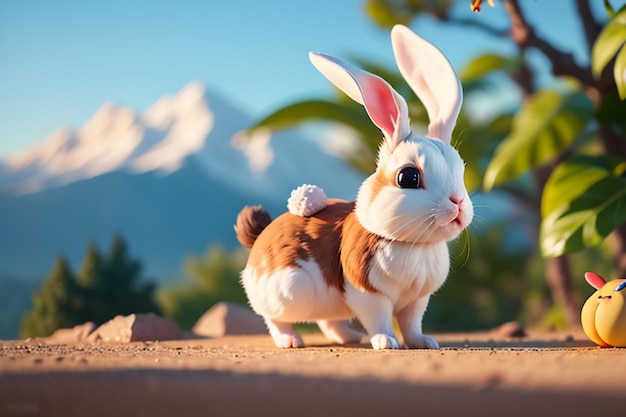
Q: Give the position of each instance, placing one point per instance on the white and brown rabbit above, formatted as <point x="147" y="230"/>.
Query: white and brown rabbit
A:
<point x="386" y="253"/>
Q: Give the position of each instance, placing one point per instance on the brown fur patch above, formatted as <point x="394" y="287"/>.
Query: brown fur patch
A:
<point x="380" y="181"/>
<point x="290" y="238"/>
<point x="251" y="221"/>
<point x="357" y="249"/>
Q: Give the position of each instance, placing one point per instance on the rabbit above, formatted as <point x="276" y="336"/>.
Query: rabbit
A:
<point x="384" y="254"/>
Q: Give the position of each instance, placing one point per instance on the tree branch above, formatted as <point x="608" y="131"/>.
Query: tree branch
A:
<point x="524" y="35"/>
<point x="591" y="27"/>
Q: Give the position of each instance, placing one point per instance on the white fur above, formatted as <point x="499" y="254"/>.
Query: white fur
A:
<point x="296" y="294"/>
<point x="306" y="200"/>
<point x="433" y="79"/>
<point x="405" y="276"/>
<point x="413" y="262"/>
<point x="388" y="111"/>
<point x="404" y="272"/>
<point x="422" y="215"/>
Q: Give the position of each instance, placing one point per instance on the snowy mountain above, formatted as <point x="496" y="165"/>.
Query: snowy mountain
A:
<point x="171" y="179"/>
<point x="191" y="124"/>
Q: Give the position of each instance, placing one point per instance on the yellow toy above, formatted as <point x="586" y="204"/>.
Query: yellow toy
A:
<point x="604" y="313"/>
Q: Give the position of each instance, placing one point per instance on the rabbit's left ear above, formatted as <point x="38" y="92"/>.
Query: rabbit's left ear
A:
<point x="432" y="78"/>
<point x="387" y="109"/>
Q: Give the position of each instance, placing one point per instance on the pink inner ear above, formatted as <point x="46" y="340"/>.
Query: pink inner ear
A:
<point x="380" y="104"/>
<point x="595" y="280"/>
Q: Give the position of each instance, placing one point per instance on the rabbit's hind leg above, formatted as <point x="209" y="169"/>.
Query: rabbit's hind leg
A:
<point x="339" y="331"/>
<point x="283" y="334"/>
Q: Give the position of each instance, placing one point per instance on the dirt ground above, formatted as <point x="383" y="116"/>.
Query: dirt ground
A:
<point x="544" y="374"/>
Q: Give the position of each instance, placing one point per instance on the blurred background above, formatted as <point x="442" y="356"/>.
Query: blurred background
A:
<point x="132" y="133"/>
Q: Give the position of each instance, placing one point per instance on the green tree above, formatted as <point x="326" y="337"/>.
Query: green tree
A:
<point x="113" y="284"/>
<point x="59" y="303"/>
<point x="89" y="272"/>
<point x="124" y="289"/>
<point x="90" y="278"/>
<point x="561" y="154"/>
<point x="210" y="279"/>
<point x="103" y="288"/>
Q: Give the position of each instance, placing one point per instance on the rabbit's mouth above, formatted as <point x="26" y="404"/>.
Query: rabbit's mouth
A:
<point x="458" y="215"/>
<point x="461" y="220"/>
<point x="458" y="219"/>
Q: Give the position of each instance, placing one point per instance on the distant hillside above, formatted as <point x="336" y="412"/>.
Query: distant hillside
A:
<point x="171" y="180"/>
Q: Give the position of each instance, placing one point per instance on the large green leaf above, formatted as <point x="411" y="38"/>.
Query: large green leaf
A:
<point x="619" y="72"/>
<point x="611" y="112"/>
<point x="484" y="65"/>
<point x="476" y="143"/>
<point x="307" y="111"/>
<point x="583" y="202"/>
<point x="570" y="179"/>
<point x="611" y="39"/>
<point x="387" y="13"/>
<point x="545" y="126"/>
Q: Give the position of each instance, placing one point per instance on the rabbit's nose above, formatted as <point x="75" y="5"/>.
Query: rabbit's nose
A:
<point x="456" y="200"/>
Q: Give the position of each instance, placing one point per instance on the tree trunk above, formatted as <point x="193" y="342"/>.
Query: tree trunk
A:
<point x="614" y="144"/>
<point x="619" y="237"/>
<point x="558" y="276"/>
<point x="557" y="271"/>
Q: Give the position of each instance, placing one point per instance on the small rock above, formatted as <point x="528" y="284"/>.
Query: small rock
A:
<point x="137" y="328"/>
<point x="510" y="329"/>
<point x="76" y="334"/>
<point x="229" y="319"/>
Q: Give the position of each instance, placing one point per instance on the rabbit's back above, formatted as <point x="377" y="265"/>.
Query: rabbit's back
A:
<point x="294" y="270"/>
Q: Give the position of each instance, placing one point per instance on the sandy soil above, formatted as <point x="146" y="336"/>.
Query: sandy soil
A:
<point x="545" y="374"/>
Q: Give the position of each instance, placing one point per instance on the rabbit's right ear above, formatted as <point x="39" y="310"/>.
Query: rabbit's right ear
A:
<point x="431" y="77"/>
<point x="387" y="109"/>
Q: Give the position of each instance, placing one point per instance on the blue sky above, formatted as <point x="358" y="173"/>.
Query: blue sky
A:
<point x="60" y="60"/>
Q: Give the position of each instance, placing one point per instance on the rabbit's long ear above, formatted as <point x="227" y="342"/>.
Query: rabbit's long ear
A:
<point x="387" y="109"/>
<point x="431" y="77"/>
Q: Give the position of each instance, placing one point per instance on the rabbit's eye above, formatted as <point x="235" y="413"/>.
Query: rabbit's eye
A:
<point x="408" y="177"/>
<point x="621" y="286"/>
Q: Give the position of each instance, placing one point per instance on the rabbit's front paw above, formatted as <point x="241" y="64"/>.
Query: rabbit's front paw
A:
<point x="283" y="334"/>
<point x="422" y="341"/>
<point x="383" y="341"/>
<point x="287" y="341"/>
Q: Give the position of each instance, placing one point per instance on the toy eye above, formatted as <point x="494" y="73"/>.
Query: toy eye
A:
<point x="620" y="286"/>
<point x="408" y="177"/>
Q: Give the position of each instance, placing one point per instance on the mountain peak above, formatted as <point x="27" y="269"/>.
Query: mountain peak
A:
<point x="191" y="124"/>
<point x="108" y="117"/>
<point x="191" y="93"/>
<point x="189" y="99"/>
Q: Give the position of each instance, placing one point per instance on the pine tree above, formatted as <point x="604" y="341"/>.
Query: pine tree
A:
<point x="103" y="288"/>
<point x="122" y="287"/>
<point x="59" y="303"/>
<point x="88" y="273"/>
<point x="90" y="278"/>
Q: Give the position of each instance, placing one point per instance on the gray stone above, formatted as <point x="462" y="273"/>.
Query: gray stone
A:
<point x="76" y="334"/>
<point x="137" y="328"/>
<point x="229" y="319"/>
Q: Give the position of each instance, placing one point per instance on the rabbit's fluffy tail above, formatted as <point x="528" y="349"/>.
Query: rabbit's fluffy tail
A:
<point x="251" y="221"/>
